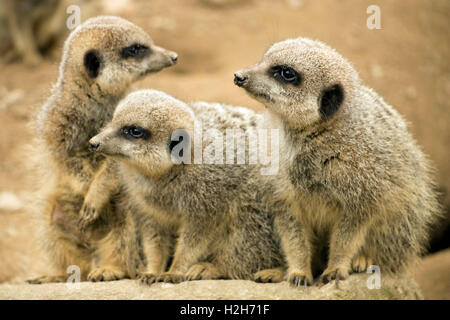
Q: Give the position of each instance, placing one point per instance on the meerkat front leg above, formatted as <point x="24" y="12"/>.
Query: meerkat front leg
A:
<point x="347" y="237"/>
<point x="297" y="248"/>
<point x="118" y="252"/>
<point x="361" y="261"/>
<point x="192" y="248"/>
<point x="104" y="184"/>
<point x="157" y="253"/>
<point x="112" y="265"/>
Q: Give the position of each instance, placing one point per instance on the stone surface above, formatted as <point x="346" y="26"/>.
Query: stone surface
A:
<point x="353" y="288"/>
<point x="9" y="201"/>
<point x="433" y="275"/>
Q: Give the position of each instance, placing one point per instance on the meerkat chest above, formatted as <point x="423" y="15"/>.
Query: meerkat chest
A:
<point x="314" y="166"/>
<point x="317" y="213"/>
<point x="305" y="172"/>
<point x="149" y="196"/>
<point x="310" y="188"/>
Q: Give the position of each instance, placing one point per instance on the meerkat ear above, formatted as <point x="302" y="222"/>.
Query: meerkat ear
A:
<point x="331" y="100"/>
<point x="179" y="146"/>
<point x="92" y="63"/>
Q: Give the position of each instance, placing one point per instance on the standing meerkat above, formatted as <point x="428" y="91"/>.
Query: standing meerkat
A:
<point x="102" y="58"/>
<point x="354" y="177"/>
<point x="223" y="229"/>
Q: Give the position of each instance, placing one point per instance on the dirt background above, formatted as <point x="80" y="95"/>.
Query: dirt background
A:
<point x="406" y="62"/>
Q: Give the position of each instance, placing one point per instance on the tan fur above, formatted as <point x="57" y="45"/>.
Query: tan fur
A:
<point x="83" y="101"/>
<point x="353" y="177"/>
<point x="223" y="231"/>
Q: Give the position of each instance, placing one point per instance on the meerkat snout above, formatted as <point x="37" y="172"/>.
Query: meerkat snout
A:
<point x="240" y="79"/>
<point x="174" y="57"/>
<point x="170" y="57"/>
<point x="94" y="146"/>
<point x="100" y="143"/>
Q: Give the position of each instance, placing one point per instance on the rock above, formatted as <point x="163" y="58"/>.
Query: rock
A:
<point x="222" y="3"/>
<point x="376" y="71"/>
<point x="411" y="92"/>
<point x="163" y="23"/>
<point x="353" y="288"/>
<point x="9" y="201"/>
<point x="8" y="98"/>
<point x="433" y="276"/>
<point x="116" y="7"/>
<point x="296" y="4"/>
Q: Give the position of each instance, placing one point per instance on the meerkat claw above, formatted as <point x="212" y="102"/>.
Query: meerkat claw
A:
<point x="170" y="278"/>
<point x="298" y="279"/>
<point x="202" y="271"/>
<point x="336" y="274"/>
<point x="269" y="276"/>
<point x="147" y="278"/>
<point x="106" y="274"/>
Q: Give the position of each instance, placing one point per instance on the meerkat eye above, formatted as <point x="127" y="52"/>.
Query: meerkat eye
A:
<point x="288" y="74"/>
<point x="135" y="132"/>
<point x="135" y="51"/>
<point x="285" y="74"/>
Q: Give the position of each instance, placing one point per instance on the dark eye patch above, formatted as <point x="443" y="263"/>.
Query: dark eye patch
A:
<point x="135" y="51"/>
<point x="135" y="132"/>
<point x="285" y="74"/>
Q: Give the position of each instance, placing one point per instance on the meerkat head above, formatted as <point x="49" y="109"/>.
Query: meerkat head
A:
<point x="301" y="80"/>
<point x="107" y="54"/>
<point x="142" y="131"/>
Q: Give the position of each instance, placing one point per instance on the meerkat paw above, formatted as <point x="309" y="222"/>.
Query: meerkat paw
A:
<point x="299" y="278"/>
<point x="335" y="273"/>
<point x="106" y="274"/>
<point x="360" y="263"/>
<point x="88" y="214"/>
<point x="47" y="279"/>
<point x="202" y="271"/>
<point x="269" y="276"/>
<point x="170" y="277"/>
<point x="147" y="278"/>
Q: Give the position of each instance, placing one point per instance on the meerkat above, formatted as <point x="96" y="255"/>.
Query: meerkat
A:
<point x="102" y="57"/>
<point x="354" y="178"/>
<point x="217" y="224"/>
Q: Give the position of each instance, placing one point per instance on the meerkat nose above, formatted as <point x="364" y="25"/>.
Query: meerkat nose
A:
<point x="94" y="146"/>
<point x="174" y="58"/>
<point x="239" y="79"/>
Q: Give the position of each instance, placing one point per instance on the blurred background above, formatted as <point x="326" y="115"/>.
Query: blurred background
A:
<point x="406" y="62"/>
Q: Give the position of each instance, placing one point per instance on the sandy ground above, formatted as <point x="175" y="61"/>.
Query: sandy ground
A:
<point x="407" y="62"/>
<point x="353" y="288"/>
